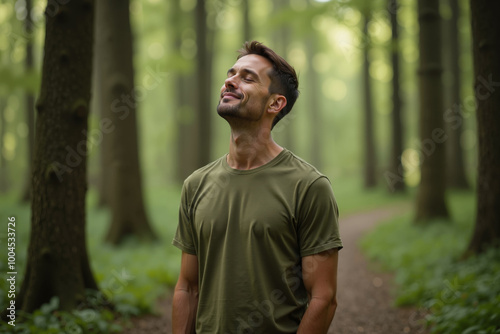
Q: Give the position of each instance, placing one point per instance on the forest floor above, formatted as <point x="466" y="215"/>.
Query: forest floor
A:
<point x="364" y="293"/>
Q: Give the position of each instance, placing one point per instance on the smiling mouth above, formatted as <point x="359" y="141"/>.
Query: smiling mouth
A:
<point x="230" y="96"/>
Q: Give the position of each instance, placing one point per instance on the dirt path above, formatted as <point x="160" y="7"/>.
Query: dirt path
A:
<point x="364" y="296"/>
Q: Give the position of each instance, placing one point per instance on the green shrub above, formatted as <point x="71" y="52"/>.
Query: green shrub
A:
<point x="93" y="317"/>
<point x="463" y="296"/>
<point x="470" y="300"/>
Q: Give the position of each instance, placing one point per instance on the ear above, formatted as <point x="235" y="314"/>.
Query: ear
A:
<point x="276" y="103"/>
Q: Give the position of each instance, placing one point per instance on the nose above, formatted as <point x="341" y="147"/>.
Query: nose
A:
<point x="231" y="82"/>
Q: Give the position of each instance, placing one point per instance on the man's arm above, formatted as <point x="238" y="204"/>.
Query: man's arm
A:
<point x="185" y="301"/>
<point x="320" y="279"/>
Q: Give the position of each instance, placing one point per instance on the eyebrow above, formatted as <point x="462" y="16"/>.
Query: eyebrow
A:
<point x="244" y="70"/>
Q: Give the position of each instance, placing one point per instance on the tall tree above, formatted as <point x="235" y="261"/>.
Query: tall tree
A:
<point x="57" y="262"/>
<point x="203" y="82"/>
<point x="101" y="108"/>
<point x="486" y="52"/>
<point x="29" y="98"/>
<point x="247" y="23"/>
<point x="4" y="185"/>
<point x="396" y="183"/>
<point x="455" y="169"/>
<point x="187" y="150"/>
<point x="314" y="93"/>
<point x="431" y="192"/>
<point x="281" y="40"/>
<point x="119" y="103"/>
<point x="369" y="163"/>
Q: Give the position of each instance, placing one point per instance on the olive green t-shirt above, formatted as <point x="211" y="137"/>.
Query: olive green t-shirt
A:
<point x="249" y="230"/>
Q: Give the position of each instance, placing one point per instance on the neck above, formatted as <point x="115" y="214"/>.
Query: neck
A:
<point x="251" y="149"/>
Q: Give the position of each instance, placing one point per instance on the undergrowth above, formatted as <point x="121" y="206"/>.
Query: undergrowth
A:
<point x="134" y="275"/>
<point x="462" y="296"/>
<point x="95" y="315"/>
<point x="131" y="276"/>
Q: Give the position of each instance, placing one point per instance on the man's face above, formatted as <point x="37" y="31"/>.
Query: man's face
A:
<point x="245" y="92"/>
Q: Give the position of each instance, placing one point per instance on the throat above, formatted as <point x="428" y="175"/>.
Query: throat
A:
<point x="249" y="152"/>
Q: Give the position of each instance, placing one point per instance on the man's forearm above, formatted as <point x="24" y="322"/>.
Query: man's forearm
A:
<point x="318" y="316"/>
<point x="184" y="306"/>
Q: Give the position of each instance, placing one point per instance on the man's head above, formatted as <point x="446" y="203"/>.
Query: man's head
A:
<point x="279" y="77"/>
<point x="283" y="77"/>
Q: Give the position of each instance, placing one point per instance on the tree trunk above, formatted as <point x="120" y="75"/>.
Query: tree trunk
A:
<point x="30" y="101"/>
<point x="314" y="105"/>
<point x="119" y="98"/>
<point x="57" y="263"/>
<point x="187" y="123"/>
<point x="100" y="109"/>
<point x="204" y="108"/>
<point x="455" y="164"/>
<point x="4" y="184"/>
<point x="247" y="25"/>
<point x="370" y="180"/>
<point x="431" y="193"/>
<point x="187" y="128"/>
<point x="281" y="38"/>
<point x="486" y="52"/>
<point x="396" y="183"/>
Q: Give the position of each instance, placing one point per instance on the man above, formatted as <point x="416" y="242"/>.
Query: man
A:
<point x="258" y="227"/>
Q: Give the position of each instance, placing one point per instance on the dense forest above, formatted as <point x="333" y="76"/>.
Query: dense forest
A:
<point x="107" y="106"/>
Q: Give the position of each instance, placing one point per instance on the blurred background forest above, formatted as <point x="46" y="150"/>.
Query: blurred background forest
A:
<point x="324" y="41"/>
<point x="361" y="119"/>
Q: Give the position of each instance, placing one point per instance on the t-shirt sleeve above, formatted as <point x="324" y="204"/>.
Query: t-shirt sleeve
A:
<point x="318" y="226"/>
<point x="184" y="238"/>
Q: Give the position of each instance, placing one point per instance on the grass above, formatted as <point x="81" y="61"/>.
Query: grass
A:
<point x="463" y="296"/>
<point x="351" y="197"/>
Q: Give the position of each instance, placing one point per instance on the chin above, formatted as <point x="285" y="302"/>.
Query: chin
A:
<point x="224" y="110"/>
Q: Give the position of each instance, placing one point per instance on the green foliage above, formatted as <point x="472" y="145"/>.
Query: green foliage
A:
<point x="470" y="302"/>
<point x="131" y="277"/>
<point x="94" y="316"/>
<point x="463" y="296"/>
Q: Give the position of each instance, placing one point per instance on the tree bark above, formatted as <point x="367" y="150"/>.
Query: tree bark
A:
<point x="57" y="263"/>
<point x="486" y="52"/>
<point x="397" y="183"/>
<point x="187" y="128"/>
<point x="370" y="180"/>
<point x="431" y="193"/>
<point x="99" y="109"/>
<point x="281" y="37"/>
<point x="30" y="100"/>
<point x="314" y="105"/>
<point x="455" y="165"/>
<point x="203" y="84"/>
<point x="4" y="183"/>
<point x="187" y="123"/>
<point x="120" y="98"/>
<point x="247" y="24"/>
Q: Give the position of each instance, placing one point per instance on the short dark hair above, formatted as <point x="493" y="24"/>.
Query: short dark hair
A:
<point x="283" y="77"/>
